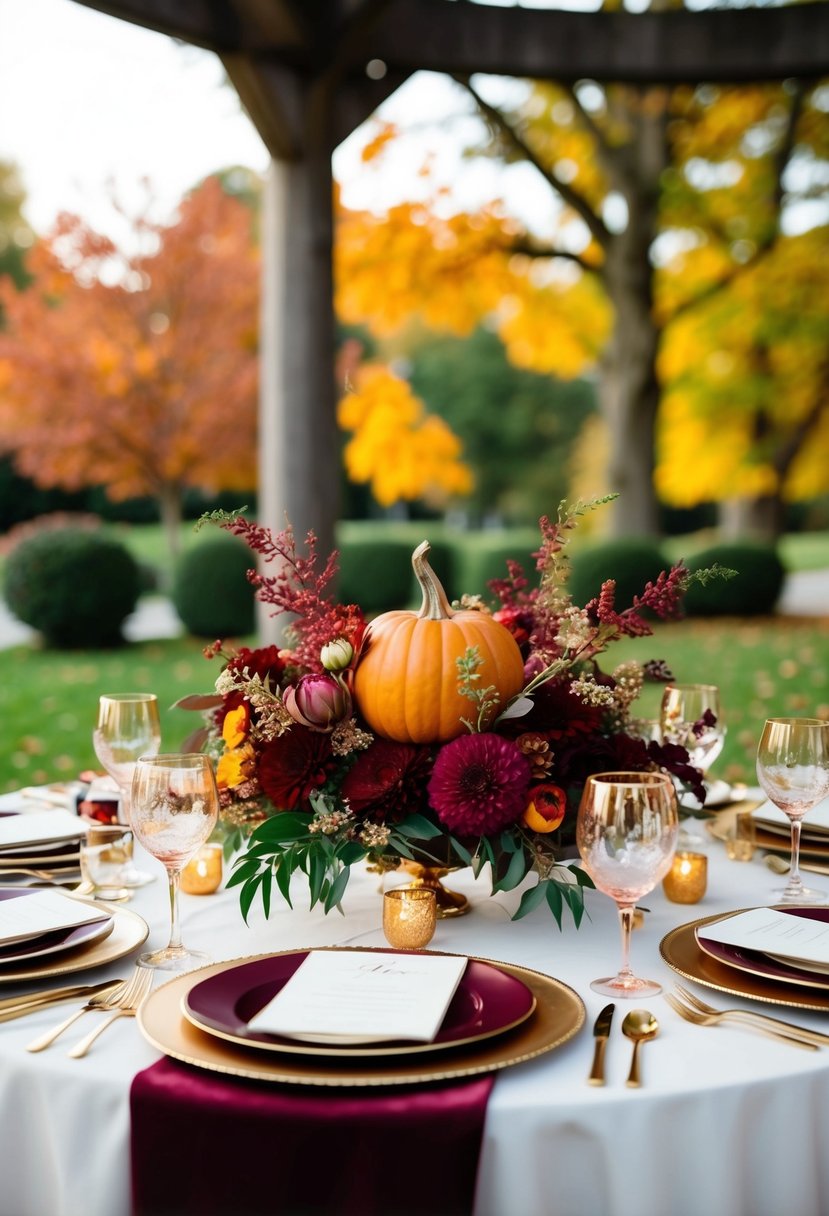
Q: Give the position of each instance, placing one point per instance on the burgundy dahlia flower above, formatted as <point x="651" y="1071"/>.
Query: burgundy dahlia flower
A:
<point x="294" y="765"/>
<point x="479" y="784"/>
<point x="387" y="781"/>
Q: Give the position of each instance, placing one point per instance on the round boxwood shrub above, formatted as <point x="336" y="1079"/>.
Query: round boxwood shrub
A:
<point x="211" y="592"/>
<point x="754" y="589"/>
<point x="631" y="562"/>
<point x="75" y="587"/>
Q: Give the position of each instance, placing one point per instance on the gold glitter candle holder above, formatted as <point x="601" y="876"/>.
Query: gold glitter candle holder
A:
<point x="203" y="873"/>
<point x="409" y="917"/>
<point x="687" y="879"/>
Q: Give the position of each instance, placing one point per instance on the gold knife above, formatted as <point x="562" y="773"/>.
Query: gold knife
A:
<point x="601" y="1033"/>
<point x="15" y="1007"/>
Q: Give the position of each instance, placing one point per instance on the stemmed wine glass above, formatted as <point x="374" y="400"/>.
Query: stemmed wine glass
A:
<point x="682" y="719"/>
<point x="128" y="726"/>
<point x="793" y="769"/>
<point x="626" y="832"/>
<point x="174" y="807"/>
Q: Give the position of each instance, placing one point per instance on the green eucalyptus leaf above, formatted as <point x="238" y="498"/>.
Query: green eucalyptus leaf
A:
<point x="531" y="898"/>
<point x="516" y="871"/>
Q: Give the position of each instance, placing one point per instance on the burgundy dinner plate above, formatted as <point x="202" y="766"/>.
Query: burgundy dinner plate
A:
<point x="487" y="1002"/>
<point x="758" y="963"/>
<point x="56" y="940"/>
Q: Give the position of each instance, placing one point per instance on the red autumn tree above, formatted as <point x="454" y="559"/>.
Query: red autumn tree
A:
<point x="137" y="371"/>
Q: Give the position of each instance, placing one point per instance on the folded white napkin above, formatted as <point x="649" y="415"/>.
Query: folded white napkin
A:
<point x="40" y="827"/>
<point x="34" y="913"/>
<point x="368" y="995"/>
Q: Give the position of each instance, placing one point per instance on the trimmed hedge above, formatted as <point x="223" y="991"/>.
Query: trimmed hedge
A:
<point x="75" y="587"/>
<point x="211" y="592"/>
<point x="753" y="591"/>
<point x="632" y="563"/>
<point x="376" y="573"/>
<point x="481" y="557"/>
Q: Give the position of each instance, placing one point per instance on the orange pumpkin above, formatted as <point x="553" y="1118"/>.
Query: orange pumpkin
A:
<point x="406" y="683"/>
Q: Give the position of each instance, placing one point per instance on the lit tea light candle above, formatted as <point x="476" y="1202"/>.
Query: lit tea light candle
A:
<point x="409" y="917"/>
<point x="687" y="879"/>
<point x="203" y="873"/>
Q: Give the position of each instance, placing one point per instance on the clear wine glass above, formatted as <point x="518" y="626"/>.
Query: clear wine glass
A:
<point x="174" y="807"/>
<point x="793" y="769"/>
<point x="626" y="832"/>
<point x="128" y="726"/>
<point x="682" y="715"/>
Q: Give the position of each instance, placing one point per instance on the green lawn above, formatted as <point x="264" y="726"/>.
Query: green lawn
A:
<point x="764" y="668"/>
<point x="48" y="700"/>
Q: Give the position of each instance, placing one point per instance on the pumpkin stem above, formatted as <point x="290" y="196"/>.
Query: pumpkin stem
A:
<point x="435" y="606"/>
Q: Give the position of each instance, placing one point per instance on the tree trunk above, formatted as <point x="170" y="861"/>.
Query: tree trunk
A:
<point x="751" y="518"/>
<point x="170" y="506"/>
<point x="629" y="390"/>
<point x="629" y="398"/>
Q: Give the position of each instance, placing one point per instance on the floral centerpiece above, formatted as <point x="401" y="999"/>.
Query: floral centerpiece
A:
<point x="459" y="735"/>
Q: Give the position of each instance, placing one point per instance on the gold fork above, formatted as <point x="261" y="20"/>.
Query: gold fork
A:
<point x="126" y="1006"/>
<point x="789" y="1028"/>
<point x="706" y="1019"/>
<point x="100" y="1000"/>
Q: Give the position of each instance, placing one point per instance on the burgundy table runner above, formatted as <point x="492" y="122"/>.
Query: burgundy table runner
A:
<point x="209" y="1145"/>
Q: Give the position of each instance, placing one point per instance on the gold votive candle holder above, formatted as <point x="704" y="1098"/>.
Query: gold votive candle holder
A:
<point x="740" y="836"/>
<point x="687" y="879"/>
<point x="409" y="917"/>
<point x="203" y="873"/>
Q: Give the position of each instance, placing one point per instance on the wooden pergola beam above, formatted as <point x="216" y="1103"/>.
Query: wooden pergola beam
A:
<point x="458" y="37"/>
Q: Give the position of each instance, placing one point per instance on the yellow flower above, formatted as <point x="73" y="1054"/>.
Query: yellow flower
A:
<point x="235" y="725"/>
<point x="234" y="767"/>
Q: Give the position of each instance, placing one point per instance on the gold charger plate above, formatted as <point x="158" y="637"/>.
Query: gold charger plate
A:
<point x="683" y="954"/>
<point x="129" y="931"/>
<point x="558" y="1017"/>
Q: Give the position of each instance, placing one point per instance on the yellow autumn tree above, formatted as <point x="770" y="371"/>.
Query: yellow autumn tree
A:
<point x="397" y="448"/>
<point x="668" y="200"/>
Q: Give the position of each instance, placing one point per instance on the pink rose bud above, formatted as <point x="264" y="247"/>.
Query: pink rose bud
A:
<point x="317" y="701"/>
<point x="336" y="655"/>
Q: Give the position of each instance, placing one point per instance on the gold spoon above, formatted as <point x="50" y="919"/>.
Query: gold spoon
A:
<point x="638" y="1026"/>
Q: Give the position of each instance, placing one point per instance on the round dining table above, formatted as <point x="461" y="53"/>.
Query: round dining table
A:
<point x="727" y="1121"/>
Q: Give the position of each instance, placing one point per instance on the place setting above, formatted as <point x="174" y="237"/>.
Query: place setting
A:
<point x="46" y="933"/>
<point x="362" y="1016"/>
<point x="780" y="953"/>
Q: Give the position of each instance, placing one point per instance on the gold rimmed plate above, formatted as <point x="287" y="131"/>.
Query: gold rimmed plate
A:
<point x="559" y="1015"/>
<point x="682" y="952"/>
<point x="129" y="931"/>
<point x="488" y="1002"/>
<point x="770" y="841"/>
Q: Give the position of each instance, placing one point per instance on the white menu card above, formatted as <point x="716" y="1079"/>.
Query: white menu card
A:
<point x="798" y="938"/>
<point x="40" y="826"/>
<point x="39" y="912"/>
<point x="375" y="996"/>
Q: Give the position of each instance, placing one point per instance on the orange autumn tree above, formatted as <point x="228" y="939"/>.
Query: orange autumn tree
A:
<point x="137" y="371"/>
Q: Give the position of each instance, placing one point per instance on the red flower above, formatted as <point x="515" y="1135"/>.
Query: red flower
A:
<point x="479" y="784"/>
<point x="266" y="662"/>
<point x="294" y="765"/>
<point x="388" y="780"/>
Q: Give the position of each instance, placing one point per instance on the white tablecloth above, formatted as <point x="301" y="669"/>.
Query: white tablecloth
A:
<point x="728" y="1123"/>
